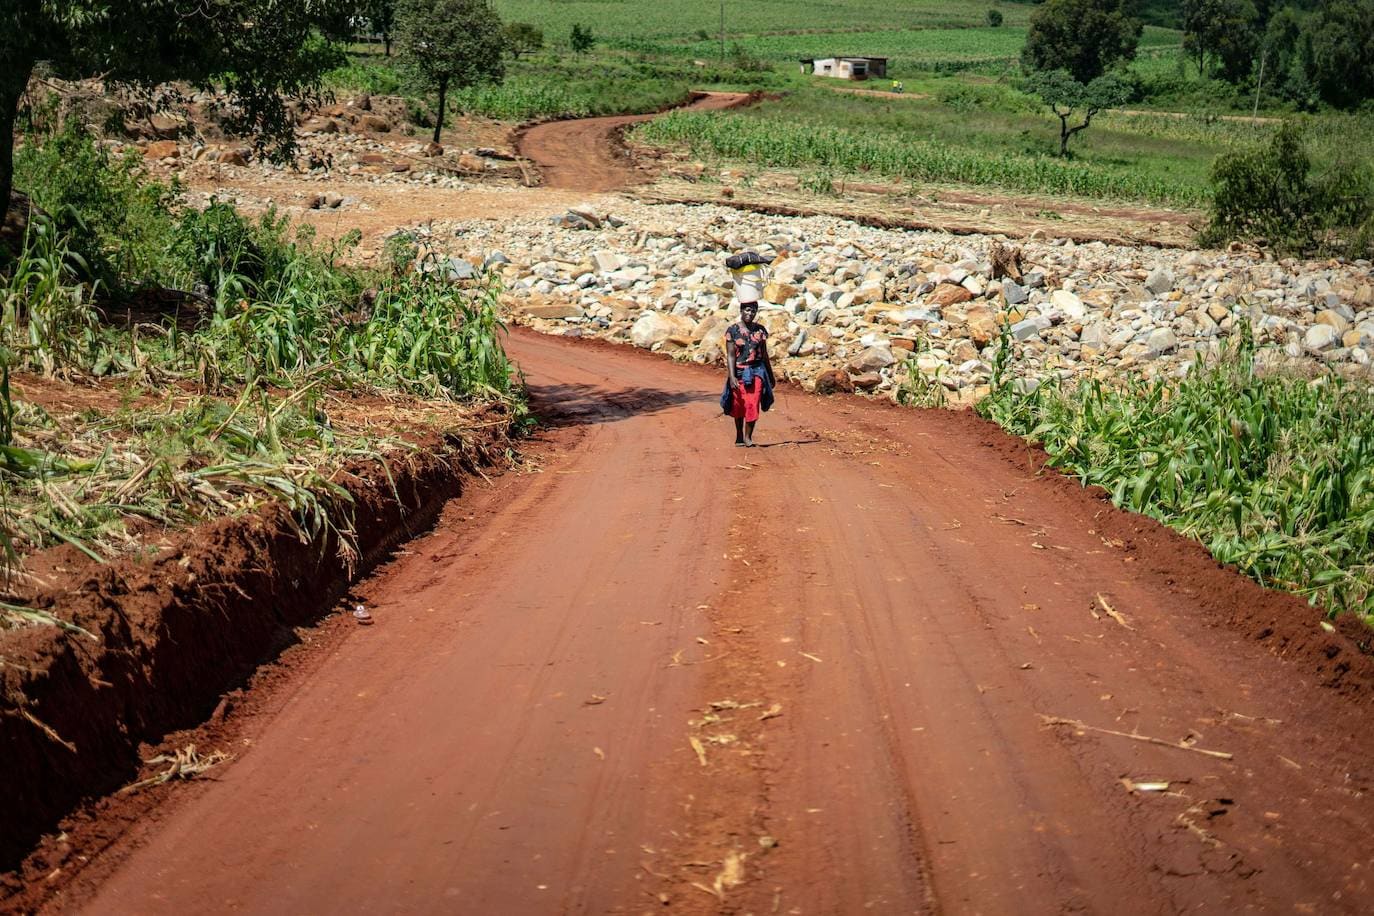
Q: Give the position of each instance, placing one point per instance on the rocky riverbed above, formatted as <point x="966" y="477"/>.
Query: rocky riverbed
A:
<point x="854" y="307"/>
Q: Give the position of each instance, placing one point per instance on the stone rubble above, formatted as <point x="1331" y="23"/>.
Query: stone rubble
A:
<point x="854" y="307"/>
<point x="366" y="139"/>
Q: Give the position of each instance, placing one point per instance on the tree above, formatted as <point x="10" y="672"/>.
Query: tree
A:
<point x="1066" y="95"/>
<point x="1239" y="42"/>
<point x="446" y="44"/>
<point x="1283" y="58"/>
<point x="1224" y="29"/>
<point x="260" y="52"/>
<point x="523" y="38"/>
<point x="342" y="20"/>
<point x="581" y="39"/>
<point x="1084" y="37"/>
<point x="381" y="14"/>
<point x="995" y="18"/>
<point x="1340" y="48"/>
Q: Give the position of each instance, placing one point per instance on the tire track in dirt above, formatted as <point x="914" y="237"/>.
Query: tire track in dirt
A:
<point x="867" y="691"/>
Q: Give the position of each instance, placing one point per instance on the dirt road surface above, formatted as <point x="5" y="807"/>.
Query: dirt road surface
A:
<point x="881" y="664"/>
<point x="581" y="155"/>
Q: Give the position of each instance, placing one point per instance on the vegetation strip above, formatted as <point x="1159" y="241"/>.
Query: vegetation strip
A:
<point x="1274" y="474"/>
<point x="233" y="402"/>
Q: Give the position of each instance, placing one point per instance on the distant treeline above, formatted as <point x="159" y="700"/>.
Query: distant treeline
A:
<point x="1301" y="51"/>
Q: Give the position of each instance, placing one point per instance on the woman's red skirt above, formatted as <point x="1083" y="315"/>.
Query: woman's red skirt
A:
<point x="744" y="400"/>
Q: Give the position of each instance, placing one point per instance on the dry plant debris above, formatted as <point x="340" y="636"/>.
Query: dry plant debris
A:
<point x="184" y="763"/>
<point x="1113" y="612"/>
<point x="1184" y="745"/>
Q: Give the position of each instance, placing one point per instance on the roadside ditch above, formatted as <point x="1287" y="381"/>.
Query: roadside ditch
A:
<point x="169" y="632"/>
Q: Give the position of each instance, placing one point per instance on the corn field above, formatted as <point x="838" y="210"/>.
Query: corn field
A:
<point x="960" y="38"/>
<point x="521" y="99"/>
<point x="1274" y="474"/>
<point x="782" y="145"/>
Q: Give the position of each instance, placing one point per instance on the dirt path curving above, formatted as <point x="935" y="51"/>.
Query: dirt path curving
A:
<point x="585" y="154"/>
<point x="882" y="664"/>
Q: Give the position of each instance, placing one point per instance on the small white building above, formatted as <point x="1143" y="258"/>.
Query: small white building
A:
<point x="846" y="68"/>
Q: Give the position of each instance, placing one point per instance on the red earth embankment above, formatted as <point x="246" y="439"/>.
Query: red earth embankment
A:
<point x="179" y="626"/>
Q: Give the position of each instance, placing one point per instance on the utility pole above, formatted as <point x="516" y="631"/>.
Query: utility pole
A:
<point x="722" y="29"/>
<point x="1258" y="85"/>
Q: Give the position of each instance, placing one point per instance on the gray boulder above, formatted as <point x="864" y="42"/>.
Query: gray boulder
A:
<point x="1160" y="281"/>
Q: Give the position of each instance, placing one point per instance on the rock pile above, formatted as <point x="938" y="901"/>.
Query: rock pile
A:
<point x="853" y="306"/>
<point x="367" y="139"/>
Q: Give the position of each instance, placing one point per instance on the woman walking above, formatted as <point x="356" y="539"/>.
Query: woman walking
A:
<point x="749" y="373"/>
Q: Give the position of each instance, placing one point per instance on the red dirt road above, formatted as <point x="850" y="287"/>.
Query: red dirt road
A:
<point x="582" y="155"/>
<point x="806" y="678"/>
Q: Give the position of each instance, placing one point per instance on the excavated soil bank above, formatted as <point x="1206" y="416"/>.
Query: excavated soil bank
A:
<point x="178" y="628"/>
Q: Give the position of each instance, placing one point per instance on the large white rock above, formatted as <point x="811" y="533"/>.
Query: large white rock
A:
<point x="869" y="292"/>
<point x="1161" y="341"/>
<point x="711" y="325"/>
<point x="1320" y="337"/>
<point x="911" y="315"/>
<point x="789" y="270"/>
<point x="1096" y="335"/>
<point x="1160" y="281"/>
<point x="1072" y="307"/>
<point x="655" y="327"/>
<point x="1030" y="327"/>
<point x="607" y="261"/>
<point x="872" y="359"/>
<point x="1335" y="319"/>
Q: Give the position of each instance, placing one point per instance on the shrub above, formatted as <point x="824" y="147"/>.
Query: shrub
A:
<point x="581" y="38"/>
<point x="742" y="60"/>
<point x="48" y="322"/>
<point x="1269" y="193"/>
<point x="106" y="207"/>
<point x="995" y="18"/>
<point x="232" y="256"/>
<point x="523" y="38"/>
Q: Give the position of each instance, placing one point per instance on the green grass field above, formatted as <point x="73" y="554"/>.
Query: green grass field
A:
<point x="907" y="49"/>
<point x="624" y="22"/>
